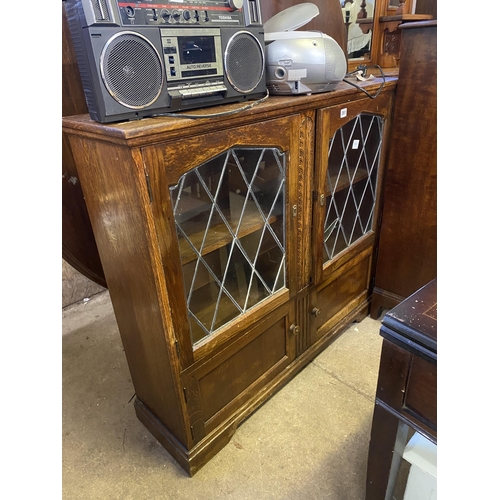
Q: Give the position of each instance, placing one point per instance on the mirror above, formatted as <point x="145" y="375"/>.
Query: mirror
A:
<point x="358" y="20"/>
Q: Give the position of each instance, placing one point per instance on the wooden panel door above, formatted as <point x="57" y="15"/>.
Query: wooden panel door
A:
<point x="225" y="212"/>
<point x="350" y="154"/>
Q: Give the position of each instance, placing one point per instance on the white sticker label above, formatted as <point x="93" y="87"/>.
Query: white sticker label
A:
<point x="355" y="144"/>
<point x="343" y="113"/>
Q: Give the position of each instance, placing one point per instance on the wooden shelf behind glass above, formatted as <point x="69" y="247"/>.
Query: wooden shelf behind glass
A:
<point x="344" y="181"/>
<point x="218" y="235"/>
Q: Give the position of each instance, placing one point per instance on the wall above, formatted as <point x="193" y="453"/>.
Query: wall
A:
<point x="75" y="286"/>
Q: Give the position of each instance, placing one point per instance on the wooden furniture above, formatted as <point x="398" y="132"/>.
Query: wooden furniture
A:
<point x="390" y="31"/>
<point x="78" y="243"/>
<point x="427" y="7"/>
<point x="403" y="7"/>
<point x="234" y="247"/>
<point x="397" y="7"/>
<point x="407" y="387"/>
<point x="408" y="240"/>
<point x="385" y="26"/>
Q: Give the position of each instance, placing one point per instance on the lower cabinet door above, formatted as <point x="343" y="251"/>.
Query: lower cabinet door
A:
<point x="233" y="382"/>
<point x="339" y="296"/>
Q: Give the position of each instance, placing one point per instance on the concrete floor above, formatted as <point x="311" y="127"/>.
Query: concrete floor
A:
<point x="310" y="441"/>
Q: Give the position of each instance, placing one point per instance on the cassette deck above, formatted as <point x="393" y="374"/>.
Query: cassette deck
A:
<point x="139" y="59"/>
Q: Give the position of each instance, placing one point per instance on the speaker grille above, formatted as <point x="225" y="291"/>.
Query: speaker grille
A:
<point x="131" y="70"/>
<point x="244" y="62"/>
<point x="329" y="61"/>
<point x="100" y="10"/>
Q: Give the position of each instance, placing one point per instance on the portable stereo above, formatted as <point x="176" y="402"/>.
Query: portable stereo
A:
<point x="139" y="59"/>
<point x="301" y="62"/>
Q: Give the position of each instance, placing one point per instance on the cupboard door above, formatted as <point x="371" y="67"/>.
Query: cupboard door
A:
<point x="348" y="175"/>
<point x="349" y="152"/>
<point x="237" y="379"/>
<point x="221" y="206"/>
<point x="340" y="295"/>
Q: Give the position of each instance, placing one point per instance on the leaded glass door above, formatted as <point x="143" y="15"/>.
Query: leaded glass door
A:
<point x="351" y="183"/>
<point x="230" y="223"/>
<point x="349" y="166"/>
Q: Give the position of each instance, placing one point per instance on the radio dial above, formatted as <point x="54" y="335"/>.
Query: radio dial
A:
<point x="176" y="15"/>
<point x="165" y="14"/>
<point x="236" y="4"/>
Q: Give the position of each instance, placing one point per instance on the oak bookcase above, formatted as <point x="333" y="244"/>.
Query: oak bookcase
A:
<point x="234" y="248"/>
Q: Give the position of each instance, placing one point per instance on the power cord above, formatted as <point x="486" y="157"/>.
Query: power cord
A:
<point x="361" y="70"/>
<point x="225" y="113"/>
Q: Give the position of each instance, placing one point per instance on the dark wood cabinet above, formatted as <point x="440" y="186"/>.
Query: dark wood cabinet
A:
<point x="234" y="249"/>
<point x="406" y="395"/>
<point x="407" y="257"/>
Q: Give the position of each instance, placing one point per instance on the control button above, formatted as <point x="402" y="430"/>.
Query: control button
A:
<point x="165" y="14"/>
<point x="186" y="15"/>
<point x="176" y="15"/>
<point x="235" y="4"/>
<point x="172" y="71"/>
<point x="171" y="60"/>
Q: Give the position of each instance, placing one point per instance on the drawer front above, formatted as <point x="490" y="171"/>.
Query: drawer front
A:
<point x="421" y="392"/>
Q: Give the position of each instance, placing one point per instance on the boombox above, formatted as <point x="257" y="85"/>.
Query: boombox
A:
<point x="140" y="59"/>
<point x="301" y="62"/>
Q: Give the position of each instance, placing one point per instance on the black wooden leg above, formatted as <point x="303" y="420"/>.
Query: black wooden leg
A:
<point x="387" y="442"/>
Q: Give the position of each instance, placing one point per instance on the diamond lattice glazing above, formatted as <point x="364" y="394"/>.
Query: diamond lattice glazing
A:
<point x="231" y="233"/>
<point x="351" y="183"/>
